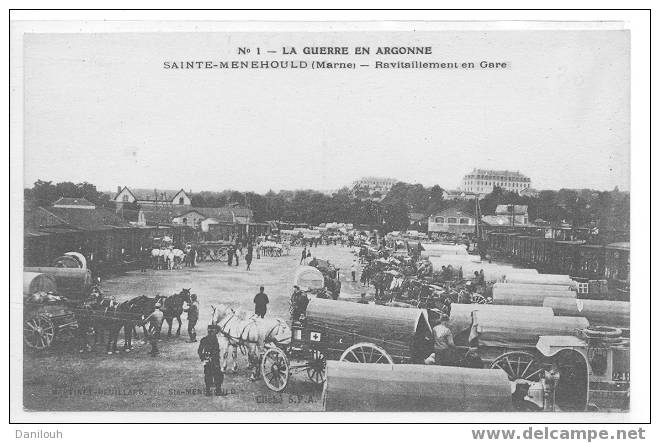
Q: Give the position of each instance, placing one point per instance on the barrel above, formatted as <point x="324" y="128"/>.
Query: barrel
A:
<point x="598" y="312"/>
<point x="71" y="282"/>
<point x="34" y="282"/>
<point x="368" y="387"/>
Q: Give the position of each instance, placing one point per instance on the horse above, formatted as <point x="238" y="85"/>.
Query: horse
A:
<point x="172" y="308"/>
<point x="109" y="316"/>
<point x="178" y="257"/>
<point x="240" y="328"/>
<point x="142" y="306"/>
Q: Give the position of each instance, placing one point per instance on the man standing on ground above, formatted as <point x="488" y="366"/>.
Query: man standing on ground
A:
<point x="353" y="270"/>
<point x="260" y="303"/>
<point x="155" y="320"/>
<point x="209" y="353"/>
<point x="303" y="256"/>
<point x="193" y="316"/>
<point x="248" y="257"/>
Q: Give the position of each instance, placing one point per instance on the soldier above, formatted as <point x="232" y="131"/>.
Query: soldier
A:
<point x="193" y="316"/>
<point x="209" y="353"/>
<point x="155" y="320"/>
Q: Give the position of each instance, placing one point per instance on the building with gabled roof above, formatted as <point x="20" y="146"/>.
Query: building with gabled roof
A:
<point x="151" y="197"/>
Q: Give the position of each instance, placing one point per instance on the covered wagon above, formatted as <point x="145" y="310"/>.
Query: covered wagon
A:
<point x="45" y="316"/>
<point x="598" y="312"/>
<point x="528" y="295"/>
<point x="350" y="332"/>
<point x="73" y="283"/>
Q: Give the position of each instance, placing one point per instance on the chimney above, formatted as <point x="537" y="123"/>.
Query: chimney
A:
<point x="118" y="189"/>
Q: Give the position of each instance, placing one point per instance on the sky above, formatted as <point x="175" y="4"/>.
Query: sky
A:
<point x="100" y="108"/>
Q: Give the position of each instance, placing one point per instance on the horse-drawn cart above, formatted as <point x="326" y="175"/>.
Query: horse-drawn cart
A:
<point x="349" y="332"/>
<point x="45" y="314"/>
<point x="212" y="250"/>
<point x="582" y="366"/>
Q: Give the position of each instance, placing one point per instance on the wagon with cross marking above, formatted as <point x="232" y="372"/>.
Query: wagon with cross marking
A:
<point x="349" y="332"/>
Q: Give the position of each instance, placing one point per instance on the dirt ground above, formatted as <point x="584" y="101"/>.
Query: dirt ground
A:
<point x="60" y="378"/>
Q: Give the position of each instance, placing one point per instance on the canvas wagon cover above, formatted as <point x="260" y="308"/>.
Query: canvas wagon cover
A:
<point x="378" y="387"/>
<point x="394" y="329"/>
<point x="510" y="330"/>
<point x="308" y="277"/>
<point x="598" y="312"/>
<point x="71" y="282"/>
<point x="460" y="318"/>
<point x="37" y="282"/>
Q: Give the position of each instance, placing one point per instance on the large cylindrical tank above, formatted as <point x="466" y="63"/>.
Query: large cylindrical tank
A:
<point x="521" y="296"/>
<point x="405" y="387"/>
<point x="71" y="282"/>
<point x="34" y="282"/>
<point x="598" y="312"/>
<point x="540" y="279"/>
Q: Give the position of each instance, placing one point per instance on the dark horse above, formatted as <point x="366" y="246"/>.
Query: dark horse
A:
<point x="107" y="317"/>
<point x="172" y="308"/>
<point x="142" y="306"/>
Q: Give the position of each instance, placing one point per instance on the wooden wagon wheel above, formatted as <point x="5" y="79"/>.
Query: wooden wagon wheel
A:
<point x="275" y="369"/>
<point x="316" y="368"/>
<point x="38" y="332"/>
<point x="478" y="299"/>
<point x="519" y="365"/>
<point x="366" y="353"/>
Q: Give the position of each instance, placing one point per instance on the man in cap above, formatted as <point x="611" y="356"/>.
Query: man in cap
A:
<point x="155" y="320"/>
<point x="193" y="315"/>
<point x="209" y="353"/>
<point x="260" y="302"/>
<point x="443" y="342"/>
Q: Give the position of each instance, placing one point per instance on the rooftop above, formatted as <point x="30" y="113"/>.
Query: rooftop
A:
<point x="74" y="202"/>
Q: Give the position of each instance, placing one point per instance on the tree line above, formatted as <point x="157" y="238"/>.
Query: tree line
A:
<point x="609" y="210"/>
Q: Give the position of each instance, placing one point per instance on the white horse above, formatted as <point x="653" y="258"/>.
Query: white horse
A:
<point x="239" y="328"/>
<point x="177" y="258"/>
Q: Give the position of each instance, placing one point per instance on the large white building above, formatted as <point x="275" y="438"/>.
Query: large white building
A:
<point x="482" y="181"/>
<point x="382" y="185"/>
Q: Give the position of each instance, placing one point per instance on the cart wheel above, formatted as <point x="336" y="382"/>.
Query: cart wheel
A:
<point x="519" y="366"/>
<point x="316" y="368"/>
<point x="366" y="353"/>
<point x="38" y="332"/>
<point x="479" y="299"/>
<point x="275" y="369"/>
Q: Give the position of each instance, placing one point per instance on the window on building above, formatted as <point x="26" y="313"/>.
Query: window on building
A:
<point x="439" y="219"/>
<point x="180" y="200"/>
<point x="464" y="221"/>
<point x="185" y="220"/>
<point x="124" y="198"/>
<point x="451" y="220"/>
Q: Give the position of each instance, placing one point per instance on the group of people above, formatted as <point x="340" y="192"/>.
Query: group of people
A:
<point x="235" y="250"/>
